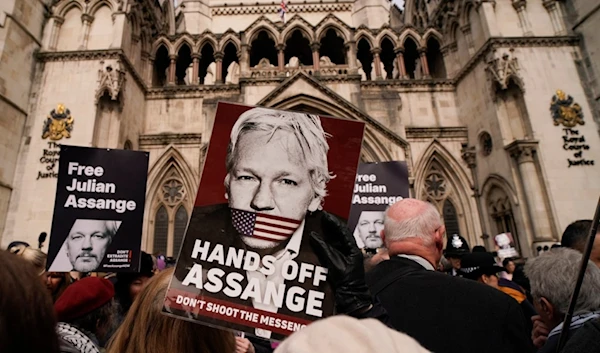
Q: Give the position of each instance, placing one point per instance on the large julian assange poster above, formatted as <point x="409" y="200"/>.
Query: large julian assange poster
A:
<point x="99" y="209"/>
<point x="378" y="185"/>
<point x="270" y="177"/>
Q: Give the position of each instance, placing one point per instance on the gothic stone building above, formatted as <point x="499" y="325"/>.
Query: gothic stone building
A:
<point x="483" y="99"/>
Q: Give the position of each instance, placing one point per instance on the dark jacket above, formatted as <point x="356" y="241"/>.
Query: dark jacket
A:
<point x="448" y="314"/>
<point x="585" y="339"/>
<point x="214" y="224"/>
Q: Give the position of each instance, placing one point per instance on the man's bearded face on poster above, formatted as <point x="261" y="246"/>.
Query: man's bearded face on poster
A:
<point x="88" y="241"/>
<point x="370" y="225"/>
<point x="277" y="165"/>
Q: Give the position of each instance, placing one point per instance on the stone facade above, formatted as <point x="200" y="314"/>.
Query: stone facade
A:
<point x="460" y="90"/>
<point x="582" y="17"/>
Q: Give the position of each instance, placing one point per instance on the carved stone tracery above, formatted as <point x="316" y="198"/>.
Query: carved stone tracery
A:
<point x="110" y="80"/>
<point x="502" y="69"/>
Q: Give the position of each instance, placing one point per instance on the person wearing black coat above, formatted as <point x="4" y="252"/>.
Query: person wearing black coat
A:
<point x="445" y="314"/>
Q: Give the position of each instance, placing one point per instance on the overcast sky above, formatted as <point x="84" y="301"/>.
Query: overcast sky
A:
<point x="400" y="3"/>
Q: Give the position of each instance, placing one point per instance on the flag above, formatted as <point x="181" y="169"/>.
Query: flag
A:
<point x="283" y="10"/>
<point x="263" y="226"/>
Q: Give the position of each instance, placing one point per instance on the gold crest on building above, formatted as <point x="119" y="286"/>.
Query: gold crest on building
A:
<point x="58" y="124"/>
<point x="564" y="111"/>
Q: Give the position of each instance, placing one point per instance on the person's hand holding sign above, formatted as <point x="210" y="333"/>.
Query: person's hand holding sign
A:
<point x="243" y="345"/>
<point x="340" y="254"/>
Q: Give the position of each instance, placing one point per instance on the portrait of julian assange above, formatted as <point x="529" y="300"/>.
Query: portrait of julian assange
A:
<point x="276" y="182"/>
<point x="85" y="245"/>
<point x="368" y="231"/>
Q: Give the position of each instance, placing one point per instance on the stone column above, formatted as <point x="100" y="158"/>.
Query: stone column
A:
<point x="521" y="7"/>
<point x="195" y="68"/>
<point x="377" y="63"/>
<point x="487" y="16"/>
<point x="150" y="71"/>
<point x="52" y="37"/>
<point x="400" y="61"/>
<point x="144" y="57"/>
<point x="85" y="33"/>
<point x="172" y="68"/>
<point x="351" y="55"/>
<point x="219" y="60"/>
<point x="315" y="46"/>
<point x="281" y="56"/>
<point x="245" y="60"/>
<point x="445" y="50"/>
<point x="466" y="29"/>
<point x="424" y="65"/>
<point x="469" y="155"/>
<point x="555" y="16"/>
<point x="523" y="151"/>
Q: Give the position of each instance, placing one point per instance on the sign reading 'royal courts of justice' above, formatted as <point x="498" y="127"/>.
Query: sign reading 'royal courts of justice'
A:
<point x="99" y="209"/>
<point x="272" y="179"/>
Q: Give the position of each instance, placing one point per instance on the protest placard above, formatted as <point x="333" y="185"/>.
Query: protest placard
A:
<point x="98" y="211"/>
<point x="270" y="180"/>
<point x="378" y="185"/>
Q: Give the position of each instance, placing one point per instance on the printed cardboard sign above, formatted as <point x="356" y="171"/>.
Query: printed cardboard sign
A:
<point x="378" y="185"/>
<point x="270" y="178"/>
<point x="99" y="209"/>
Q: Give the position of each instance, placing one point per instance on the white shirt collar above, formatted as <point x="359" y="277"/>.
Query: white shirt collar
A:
<point x="418" y="259"/>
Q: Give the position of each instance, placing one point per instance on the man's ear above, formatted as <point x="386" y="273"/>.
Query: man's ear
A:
<point x="439" y="237"/>
<point x="383" y="236"/>
<point x="547" y="307"/>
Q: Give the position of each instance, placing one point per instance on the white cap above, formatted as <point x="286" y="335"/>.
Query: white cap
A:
<point x="345" y="334"/>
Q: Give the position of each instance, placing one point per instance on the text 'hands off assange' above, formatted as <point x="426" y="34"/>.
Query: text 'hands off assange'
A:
<point x="297" y="298"/>
<point x="94" y="186"/>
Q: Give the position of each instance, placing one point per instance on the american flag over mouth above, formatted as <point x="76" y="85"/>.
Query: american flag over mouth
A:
<point x="263" y="226"/>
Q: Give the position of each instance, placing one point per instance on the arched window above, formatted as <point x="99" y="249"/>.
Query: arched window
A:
<point x="171" y="217"/>
<point x="332" y="46"/>
<point x="207" y="57"/>
<point x="161" y="231"/>
<point x="501" y="214"/>
<point x="263" y="47"/>
<point x="435" y="59"/>
<point x="161" y="66"/>
<point x="101" y="30"/>
<point x="365" y="57"/>
<point x="298" y="46"/>
<point x="411" y="59"/>
<point x="229" y="56"/>
<point x="450" y="218"/>
<point x="388" y="58"/>
<point x="184" y="62"/>
<point x="68" y="36"/>
<point x="181" y="220"/>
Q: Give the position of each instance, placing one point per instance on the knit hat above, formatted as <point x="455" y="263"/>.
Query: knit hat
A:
<point x="345" y="334"/>
<point x="83" y="297"/>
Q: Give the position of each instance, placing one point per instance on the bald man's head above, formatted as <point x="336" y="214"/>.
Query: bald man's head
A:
<point x="411" y="218"/>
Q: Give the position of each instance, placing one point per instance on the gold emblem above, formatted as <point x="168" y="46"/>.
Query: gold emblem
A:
<point x="58" y="124"/>
<point x="564" y="111"/>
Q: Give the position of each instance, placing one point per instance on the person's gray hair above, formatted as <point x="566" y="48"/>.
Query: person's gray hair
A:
<point x="553" y="274"/>
<point x="422" y="226"/>
<point x="307" y="130"/>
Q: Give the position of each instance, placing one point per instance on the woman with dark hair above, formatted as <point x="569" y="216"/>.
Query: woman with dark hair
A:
<point x="128" y="285"/>
<point x="57" y="282"/>
<point x="146" y="330"/>
<point x="509" y="267"/>
<point x="27" y="318"/>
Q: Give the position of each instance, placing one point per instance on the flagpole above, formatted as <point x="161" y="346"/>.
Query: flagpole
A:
<point x="584" y="261"/>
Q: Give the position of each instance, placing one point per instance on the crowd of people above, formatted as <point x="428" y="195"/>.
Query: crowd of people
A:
<point x="414" y="295"/>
